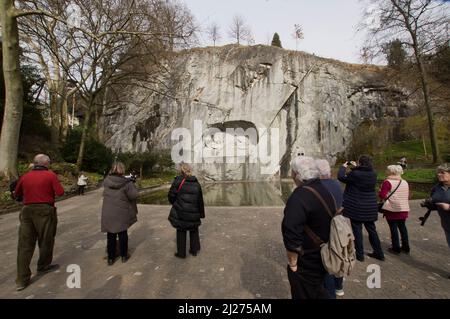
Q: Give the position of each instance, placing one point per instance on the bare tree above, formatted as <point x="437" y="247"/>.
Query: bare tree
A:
<point x="172" y="20"/>
<point x="128" y="31"/>
<point x="50" y="45"/>
<point x="251" y="40"/>
<point x="298" y="34"/>
<point x="239" y="30"/>
<point x="420" y="26"/>
<point x="213" y="32"/>
<point x="109" y="31"/>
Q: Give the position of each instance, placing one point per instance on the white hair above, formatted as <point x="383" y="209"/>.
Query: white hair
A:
<point x="324" y="168"/>
<point x="304" y="168"/>
<point x="395" y="170"/>
<point x="41" y="160"/>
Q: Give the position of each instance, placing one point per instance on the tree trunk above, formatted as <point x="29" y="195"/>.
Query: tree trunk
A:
<point x="424" y="146"/>
<point x="64" y="128"/>
<point x="12" y="118"/>
<point x="97" y="130"/>
<point x="64" y="120"/>
<point x="426" y="97"/>
<point x="84" y="134"/>
<point x="101" y="123"/>
<point x="55" y="118"/>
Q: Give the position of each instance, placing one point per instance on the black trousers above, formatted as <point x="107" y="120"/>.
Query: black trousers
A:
<point x="112" y="242"/>
<point x="373" y="238"/>
<point x="81" y="189"/>
<point x="307" y="284"/>
<point x="194" y="239"/>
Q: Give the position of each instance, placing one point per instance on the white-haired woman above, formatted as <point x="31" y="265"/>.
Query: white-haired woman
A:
<point x="306" y="273"/>
<point x="395" y="192"/>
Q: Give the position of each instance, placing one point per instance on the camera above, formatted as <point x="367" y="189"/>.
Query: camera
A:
<point x="428" y="203"/>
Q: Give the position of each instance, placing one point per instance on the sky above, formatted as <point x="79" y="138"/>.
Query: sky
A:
<point x="329" y="26"/>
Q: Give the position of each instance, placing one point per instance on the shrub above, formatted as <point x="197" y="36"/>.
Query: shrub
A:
<point x="64" y="168"/>
<point x="97" y="157"/>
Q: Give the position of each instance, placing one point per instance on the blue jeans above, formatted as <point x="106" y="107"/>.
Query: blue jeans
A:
<point x="332" y="284"/>
<point x="373" y="238"/>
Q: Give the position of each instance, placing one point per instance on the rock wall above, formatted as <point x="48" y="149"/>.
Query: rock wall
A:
<point x="315" y="103"/>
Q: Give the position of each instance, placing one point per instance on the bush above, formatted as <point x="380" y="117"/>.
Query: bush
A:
<point x="97" y="157"/>
<point x="148" y="162"/>
<point x="64" y="168"/>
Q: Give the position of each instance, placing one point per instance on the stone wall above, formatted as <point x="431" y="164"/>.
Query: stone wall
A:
<point x="315" y="103"/>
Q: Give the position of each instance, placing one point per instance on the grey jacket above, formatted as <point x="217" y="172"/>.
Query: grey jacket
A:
<point x="119" y="210"/>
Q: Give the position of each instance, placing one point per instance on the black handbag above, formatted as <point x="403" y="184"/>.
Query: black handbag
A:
<point x="380" y="204"/>
<point x="173" y="214"/>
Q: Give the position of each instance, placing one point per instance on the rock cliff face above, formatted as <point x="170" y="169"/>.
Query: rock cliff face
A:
<point x="314" y="103"/>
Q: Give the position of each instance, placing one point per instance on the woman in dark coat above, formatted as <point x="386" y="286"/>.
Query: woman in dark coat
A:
<point x="119" y="211"/>
<point x="360" y="204"/>
<point x="186" y="196"/>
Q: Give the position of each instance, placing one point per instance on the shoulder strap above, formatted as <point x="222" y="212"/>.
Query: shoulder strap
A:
<point x="393" y="191"/>
<point x="312" y="190"/>
<point x="181" y="184"/>
<point x="316" y="239"/>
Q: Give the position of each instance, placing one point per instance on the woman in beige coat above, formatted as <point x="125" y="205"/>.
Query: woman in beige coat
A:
<point x="119" y="211"/>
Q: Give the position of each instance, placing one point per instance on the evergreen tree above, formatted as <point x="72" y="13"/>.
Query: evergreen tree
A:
<point x="276" y="42"/>
<point x="395" y="54"/>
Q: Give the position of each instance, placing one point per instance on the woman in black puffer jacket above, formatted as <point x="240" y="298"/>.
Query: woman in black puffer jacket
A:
<point x="186" y="198"/>
<point x="360" y="204"/>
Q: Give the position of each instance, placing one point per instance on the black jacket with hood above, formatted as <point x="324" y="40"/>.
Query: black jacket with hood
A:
<point x="188" y="207"/>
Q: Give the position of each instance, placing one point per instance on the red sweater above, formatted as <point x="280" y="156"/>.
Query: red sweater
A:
<point x="39" y="186"/>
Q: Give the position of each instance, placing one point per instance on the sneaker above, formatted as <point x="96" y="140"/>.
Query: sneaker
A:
<point x="361" y="259"/>
<point x="340" y="292"/>
<point x="373" y="255"/>
<point x="179" y="256"/>
<point x="111" y="262"/>
<point x="48" y="269"/>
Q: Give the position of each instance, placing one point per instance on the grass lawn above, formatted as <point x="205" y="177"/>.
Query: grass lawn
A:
<point x="156" y="179"/>
<point x="418" y="175"/>
<point x="414" y="152"/>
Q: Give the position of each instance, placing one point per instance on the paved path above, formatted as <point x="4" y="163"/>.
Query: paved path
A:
<point x="242" y="256"/>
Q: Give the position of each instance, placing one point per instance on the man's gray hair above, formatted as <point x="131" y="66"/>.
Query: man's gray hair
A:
<point x="304" y="168"/>
<point x="41" y="160"/>
<point x="324" y="168"/>
<point x="444" y="168"/>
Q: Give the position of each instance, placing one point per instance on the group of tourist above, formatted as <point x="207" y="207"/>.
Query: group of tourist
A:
<point x="305" y="216"/>
<point x="303" y="212"/>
